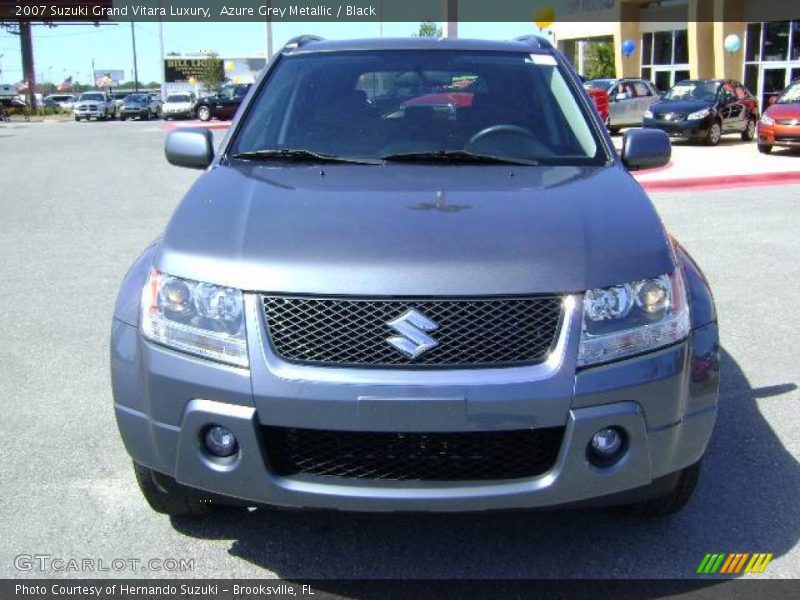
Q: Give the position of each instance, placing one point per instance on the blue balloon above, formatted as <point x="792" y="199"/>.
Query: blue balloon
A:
<point x="733" y="43"/>
<point x="628" y="47"/>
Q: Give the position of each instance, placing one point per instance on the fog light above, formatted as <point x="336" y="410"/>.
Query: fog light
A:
<point x="221" y="442"/>
<point x="607" y="442"/>
<point x="607" y="447"/>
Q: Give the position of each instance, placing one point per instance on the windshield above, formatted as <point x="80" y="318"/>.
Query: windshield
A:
<point x="140" y="98"/>
<point x="791" y="95"/>
<point x="693" y="90"/>
<point x="93" y="96"/>
<point x="371" y="105"/>
<point x="178" y="98"/>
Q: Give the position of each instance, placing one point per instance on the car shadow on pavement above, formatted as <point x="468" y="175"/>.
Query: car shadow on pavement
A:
<point x="746" y="501"/>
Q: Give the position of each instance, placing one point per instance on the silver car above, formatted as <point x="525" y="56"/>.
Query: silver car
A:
<point x="370" y="301"/>
<point x="628" y="99"/>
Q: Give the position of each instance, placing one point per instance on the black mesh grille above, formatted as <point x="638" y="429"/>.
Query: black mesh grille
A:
<point x="468" y="456"/>
<point x="470" y="332"/>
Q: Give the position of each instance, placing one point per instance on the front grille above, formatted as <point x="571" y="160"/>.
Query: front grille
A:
<point x="467" y="456"/>
<point x="469" y="332"/>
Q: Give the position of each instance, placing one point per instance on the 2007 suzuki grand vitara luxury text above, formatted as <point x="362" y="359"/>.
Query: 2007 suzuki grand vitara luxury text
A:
<point x="415" y="276"/>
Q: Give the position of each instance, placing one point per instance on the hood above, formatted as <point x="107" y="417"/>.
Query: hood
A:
<point x="415" y="230"/>
<point x="177" y="104"/>
<point x="88" y="103"/>
<point x="784" y="111"/>
<point x="683" y="107"/>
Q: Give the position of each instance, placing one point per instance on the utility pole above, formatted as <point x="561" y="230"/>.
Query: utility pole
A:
<point x="161" y="66"/>
<point x="268" y="31"/>
<point x="1" y="67"/>
<point x="92" y="78"/>
<point x="28" y="70"/>
<point x="135" y="68"/>
<point x="450" y="25"/>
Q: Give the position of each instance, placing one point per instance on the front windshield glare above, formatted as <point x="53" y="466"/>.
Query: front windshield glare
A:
<point x="379" y="104"/>
<point x="91" y="96"/>
<point x="693" y="90"/>
<point x="791" y="95"/>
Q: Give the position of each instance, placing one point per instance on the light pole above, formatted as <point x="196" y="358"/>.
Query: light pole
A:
<point x="135" y="68"/>
<point x="1" y="67"/>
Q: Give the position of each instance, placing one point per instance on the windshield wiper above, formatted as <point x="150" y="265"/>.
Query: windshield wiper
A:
<point x="458" y="156"/>
<point x="302" y="156"/>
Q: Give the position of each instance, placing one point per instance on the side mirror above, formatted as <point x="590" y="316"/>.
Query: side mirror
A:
<point x="190" y="147"/>
<point x="772" y="100"/>
<point x="620" y="96"/>
<point x="645" y="149"/>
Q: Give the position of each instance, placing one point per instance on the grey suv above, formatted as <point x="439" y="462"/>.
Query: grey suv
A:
<point x="415" y="276"/>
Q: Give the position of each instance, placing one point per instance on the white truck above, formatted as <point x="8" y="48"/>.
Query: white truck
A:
<point x="94" y="105"/>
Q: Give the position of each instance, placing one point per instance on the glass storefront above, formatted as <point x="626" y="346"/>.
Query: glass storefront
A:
<point x="772" y="57"/>
<point x="665" y="57"/>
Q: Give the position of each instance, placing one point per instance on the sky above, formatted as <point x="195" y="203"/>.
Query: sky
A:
<point x="65" y="51"/>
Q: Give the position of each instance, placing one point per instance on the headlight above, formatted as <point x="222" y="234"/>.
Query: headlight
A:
<point x="699" y="114"/>
<point x="648" y="114"/>
<point x="633" y="318"/>
<point x="195" y="317"/>
<point x="767" y="120"/>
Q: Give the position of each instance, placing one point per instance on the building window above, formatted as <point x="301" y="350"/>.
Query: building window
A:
<point x="681" y="47"/>
<point x="753" y="48"/>
<point x="665" y="57"/>
<point x="662" y="48"/>
<point x="776" y="40"/>
<point x="772" y="57"/>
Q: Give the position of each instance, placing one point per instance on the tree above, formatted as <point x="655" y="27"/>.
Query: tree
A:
<point x="428" y="29"/>
<point x="599" y="60"/>
<point x="211" y="74"/>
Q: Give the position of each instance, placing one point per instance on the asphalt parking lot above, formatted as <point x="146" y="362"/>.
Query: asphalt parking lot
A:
<point x="79" y="201"/>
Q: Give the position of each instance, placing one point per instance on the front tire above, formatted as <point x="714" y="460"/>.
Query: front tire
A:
<point x="764" y="148"/>
<point x="675" y="500"/>
<point x="749" y="133"/>
<point x="714" y="134"/>
<point x="168" y="502"/>
<point x="204" y="113"/>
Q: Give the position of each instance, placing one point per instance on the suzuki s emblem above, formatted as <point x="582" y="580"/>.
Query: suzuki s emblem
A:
<point x="413" y="341"/>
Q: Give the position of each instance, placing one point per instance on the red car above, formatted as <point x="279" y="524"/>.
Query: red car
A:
<point x="780" y="123"/>
<point x="600" y="98"/>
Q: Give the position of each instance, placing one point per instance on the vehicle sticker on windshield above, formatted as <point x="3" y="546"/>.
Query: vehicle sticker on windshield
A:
<point x="543" y="59"/>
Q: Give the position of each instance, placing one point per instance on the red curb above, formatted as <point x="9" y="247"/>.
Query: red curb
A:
<point x="721" y="182"/>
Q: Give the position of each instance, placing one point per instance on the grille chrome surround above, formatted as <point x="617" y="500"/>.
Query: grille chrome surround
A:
<point x="451" y="456"/>
<point x="354" y="332"/>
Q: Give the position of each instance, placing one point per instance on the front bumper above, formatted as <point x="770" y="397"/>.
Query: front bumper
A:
<point x="664" y="401"/>
<point x="89" y="111"/>
<point x="685" y="129"/>
<point x="779" y="135"/>
<point x="133" y="112"/>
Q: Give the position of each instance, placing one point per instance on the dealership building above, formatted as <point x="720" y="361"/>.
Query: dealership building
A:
<point x="681" y="39"/>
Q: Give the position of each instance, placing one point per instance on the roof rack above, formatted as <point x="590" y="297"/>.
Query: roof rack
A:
<point x="301" y="40"/>
<point x="536" y="41"/>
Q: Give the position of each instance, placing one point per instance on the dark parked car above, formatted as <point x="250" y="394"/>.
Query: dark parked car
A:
<point x="370" y="303"/>
<point x="780" y="123"/>
<point x="136" y="105"/>
<point x="223" y="104"/>
<point x="705" y="110"/>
